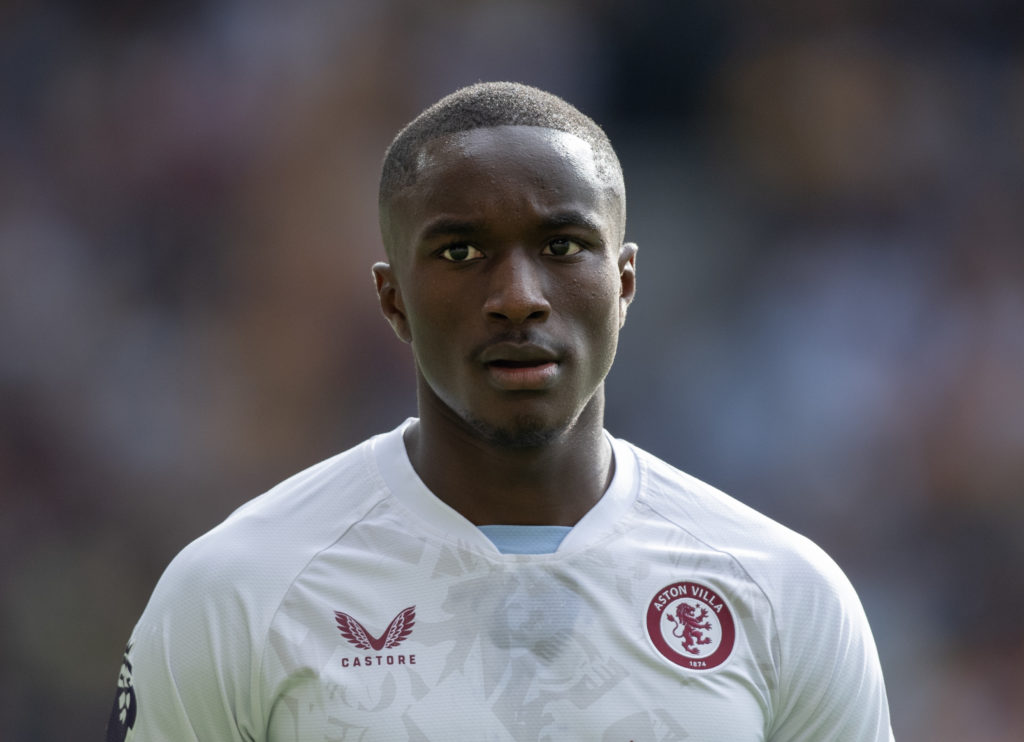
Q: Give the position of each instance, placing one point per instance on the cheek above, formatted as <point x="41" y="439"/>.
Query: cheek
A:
<point x="599" y="312"/>
<point x="605" y="300"/>
<point x="433" y="324"/>
<point x="429" y="310"/>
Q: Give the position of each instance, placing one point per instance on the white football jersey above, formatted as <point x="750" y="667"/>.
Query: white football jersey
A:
<point x="349" y="603"/>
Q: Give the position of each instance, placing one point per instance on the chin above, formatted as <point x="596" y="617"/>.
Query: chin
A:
<point x="521" y="432"/>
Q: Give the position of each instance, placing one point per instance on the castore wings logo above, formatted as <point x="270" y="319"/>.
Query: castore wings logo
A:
<point x="396" y="633"/>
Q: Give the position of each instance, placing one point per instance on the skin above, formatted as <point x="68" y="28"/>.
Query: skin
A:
<point x="510" y="281"/>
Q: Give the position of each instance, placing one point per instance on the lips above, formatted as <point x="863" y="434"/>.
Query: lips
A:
<point x="517" y="354"/>
<point x="520" y="367"/>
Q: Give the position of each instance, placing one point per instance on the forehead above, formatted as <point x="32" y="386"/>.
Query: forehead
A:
<point x="508" y="148"/>
<point x="506" y="170"/>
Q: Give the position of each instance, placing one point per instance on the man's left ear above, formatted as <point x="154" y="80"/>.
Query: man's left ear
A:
<point x="627" y="275"/>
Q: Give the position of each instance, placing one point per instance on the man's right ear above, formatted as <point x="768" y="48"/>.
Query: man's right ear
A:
<point x="390" y="297"/>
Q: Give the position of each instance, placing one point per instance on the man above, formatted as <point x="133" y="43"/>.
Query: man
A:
<point x="501" y="568"/>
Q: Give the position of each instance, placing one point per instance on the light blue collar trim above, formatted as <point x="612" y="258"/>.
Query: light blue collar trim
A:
<point x="526" y="539"/>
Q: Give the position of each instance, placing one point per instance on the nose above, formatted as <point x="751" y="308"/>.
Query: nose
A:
<point x="516" y="290"/>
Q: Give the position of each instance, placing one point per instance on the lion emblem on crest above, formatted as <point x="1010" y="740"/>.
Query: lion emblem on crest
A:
<point x="690" y="626"/>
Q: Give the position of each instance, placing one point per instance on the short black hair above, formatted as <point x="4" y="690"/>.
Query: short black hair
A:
<point x="489" y="104"/>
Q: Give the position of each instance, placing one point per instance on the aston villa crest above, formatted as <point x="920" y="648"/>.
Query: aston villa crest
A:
<point x="691" y="626"/>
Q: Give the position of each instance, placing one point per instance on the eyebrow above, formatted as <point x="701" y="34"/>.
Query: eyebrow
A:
<point x="572" y="218"/>
<point x="445" y="226"/>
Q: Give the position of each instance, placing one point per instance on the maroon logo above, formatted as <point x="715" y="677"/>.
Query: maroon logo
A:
<point x="396" y="633"/>
<point x="691" y="626"/>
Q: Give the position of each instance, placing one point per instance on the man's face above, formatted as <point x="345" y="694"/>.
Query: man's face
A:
<point x="509" y="280"/>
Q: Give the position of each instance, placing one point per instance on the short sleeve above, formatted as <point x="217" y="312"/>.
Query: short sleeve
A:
<point x="188" y="668"/>
<point x="830" y="679"/>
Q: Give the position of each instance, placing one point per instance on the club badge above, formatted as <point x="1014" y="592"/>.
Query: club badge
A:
<point x="691" y="625"/>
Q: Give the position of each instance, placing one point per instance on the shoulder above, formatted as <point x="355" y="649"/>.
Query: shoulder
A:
<point x="200" y="643"/>
<point x="248" y="561"/>
<point x="827" y="674"/>
<point x="782" y="562"/>
<point x="827" y="677"/>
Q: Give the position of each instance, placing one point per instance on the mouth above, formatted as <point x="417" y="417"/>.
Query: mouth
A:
<point x="513" y="367"/>
<point x="507" y="363"/>
<point x="517" y="376"/>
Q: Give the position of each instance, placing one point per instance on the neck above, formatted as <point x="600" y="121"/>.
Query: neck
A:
<point x="553" y="483"/>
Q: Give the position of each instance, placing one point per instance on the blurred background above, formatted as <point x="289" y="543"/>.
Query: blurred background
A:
<point x="829" y="200"/>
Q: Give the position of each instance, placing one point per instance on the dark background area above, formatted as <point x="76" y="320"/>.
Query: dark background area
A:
<point x="829" y="322"/>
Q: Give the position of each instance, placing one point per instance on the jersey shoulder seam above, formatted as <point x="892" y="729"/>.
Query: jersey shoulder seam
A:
<point x="372" y="504"/>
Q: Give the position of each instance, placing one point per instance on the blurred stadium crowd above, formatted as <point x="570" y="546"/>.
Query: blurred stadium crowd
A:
<point x="829" y="200"/>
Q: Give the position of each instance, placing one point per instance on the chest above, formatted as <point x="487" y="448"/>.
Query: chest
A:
<point x="443" y="644"/>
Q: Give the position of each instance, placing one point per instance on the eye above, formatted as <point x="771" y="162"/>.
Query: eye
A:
<point x="461" y="253"/>
<point x="562" y="247"/>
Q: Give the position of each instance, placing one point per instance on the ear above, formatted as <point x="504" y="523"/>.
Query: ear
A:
<point x="390" y="297"/>
<point x="627" y="276"/>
